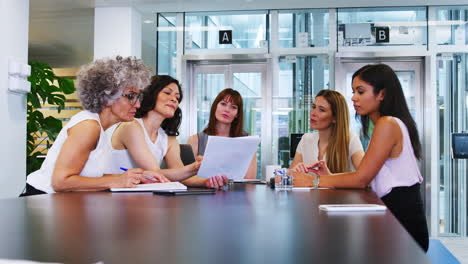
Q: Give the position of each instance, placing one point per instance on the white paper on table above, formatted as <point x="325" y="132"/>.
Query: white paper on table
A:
<point x="228" y="156"/>
<point x="149" y="187"/>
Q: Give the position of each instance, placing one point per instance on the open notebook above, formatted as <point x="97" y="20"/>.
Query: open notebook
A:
<point x="152" y="187"/>
<point x="352" y="207"/>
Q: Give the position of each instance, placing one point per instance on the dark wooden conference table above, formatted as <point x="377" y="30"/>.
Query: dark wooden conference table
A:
<point x="248" y="223"/>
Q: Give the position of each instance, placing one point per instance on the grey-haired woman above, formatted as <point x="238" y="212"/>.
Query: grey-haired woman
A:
<point x="109" y="90"/>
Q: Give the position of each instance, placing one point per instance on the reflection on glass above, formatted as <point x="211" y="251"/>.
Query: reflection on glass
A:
<point x="167" y="44"/>
<point x="295" y="24"/>
<point x="208" y="87"/>
<point x="248" y="29"/>
<point x="452" y="92"/>
<point x="358" y="26"/>
<point x="249" y="85"/>
<point x="451" y="25"/>
<point x="299" y="81"/>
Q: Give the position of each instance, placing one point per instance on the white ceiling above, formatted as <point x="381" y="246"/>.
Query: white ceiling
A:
<point x="61" y="31"/>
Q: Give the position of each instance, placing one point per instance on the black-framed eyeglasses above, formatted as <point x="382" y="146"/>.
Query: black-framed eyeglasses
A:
<point x="133" y="97"/>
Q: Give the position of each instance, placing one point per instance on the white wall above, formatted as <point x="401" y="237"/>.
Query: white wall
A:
<point x="117" y="31"/>
<point x="14" y="17"/>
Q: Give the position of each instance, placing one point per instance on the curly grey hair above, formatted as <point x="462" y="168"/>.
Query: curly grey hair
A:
<point x="103" y="81"/>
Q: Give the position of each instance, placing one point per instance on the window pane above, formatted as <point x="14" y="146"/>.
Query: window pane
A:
<point x="451" y="25"/>
<point x="405" y="25"/>
<point x="297" y="24"/>
<point x="452" y="98"/>
<point x="167" y="44"/>
<point x="248" y="29"/>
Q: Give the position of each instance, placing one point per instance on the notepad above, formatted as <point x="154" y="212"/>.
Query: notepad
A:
<point x="152" y="187"/>
<point x="352" y="207"/>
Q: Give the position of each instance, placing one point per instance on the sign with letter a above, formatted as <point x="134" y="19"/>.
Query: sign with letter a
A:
<point x="382" y="34"/>
<point x="225" y="37"/>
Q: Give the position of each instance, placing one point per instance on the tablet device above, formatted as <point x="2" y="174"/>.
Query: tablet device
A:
<point x="185" y="192"/>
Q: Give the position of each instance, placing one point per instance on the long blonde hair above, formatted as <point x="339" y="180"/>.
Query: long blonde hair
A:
<point x="338" y="143"/>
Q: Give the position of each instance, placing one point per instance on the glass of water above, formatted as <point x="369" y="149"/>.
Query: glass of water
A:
<point x="283" y="180"/>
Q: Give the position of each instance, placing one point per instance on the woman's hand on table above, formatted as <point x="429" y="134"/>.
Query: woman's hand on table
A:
<point x="216" y="182"/>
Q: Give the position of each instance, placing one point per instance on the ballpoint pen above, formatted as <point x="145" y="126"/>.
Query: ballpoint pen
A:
<point x="146" y="176"/>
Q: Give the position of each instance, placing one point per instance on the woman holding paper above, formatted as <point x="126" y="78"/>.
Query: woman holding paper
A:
<point x="151" y="137"/>
<point x="390" y="164"/>
<point x="333" y="141"/>
<point x="226" y="120"/>
<point x="109" y="91"/>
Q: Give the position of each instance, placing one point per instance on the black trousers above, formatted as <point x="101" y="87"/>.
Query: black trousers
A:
<point x="406" y="205"/>
<point x="31" y="191"/>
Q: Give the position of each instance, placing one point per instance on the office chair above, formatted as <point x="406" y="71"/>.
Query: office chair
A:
<point x="186" y="154"/>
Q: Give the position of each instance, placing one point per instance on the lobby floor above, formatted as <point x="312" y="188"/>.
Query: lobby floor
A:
<point x="458" y="246"/>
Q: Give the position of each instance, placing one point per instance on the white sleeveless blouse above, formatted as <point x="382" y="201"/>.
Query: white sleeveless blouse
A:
<point x="121" y="157"/>
<point x="95" y="165"/>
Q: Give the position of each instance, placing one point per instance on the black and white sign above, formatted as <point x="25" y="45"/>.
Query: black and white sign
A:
<point x="225" y="37"/>
<point x="382" y="34"/>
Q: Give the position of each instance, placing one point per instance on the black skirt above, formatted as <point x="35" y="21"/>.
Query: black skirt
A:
<point x="406" y="205"/>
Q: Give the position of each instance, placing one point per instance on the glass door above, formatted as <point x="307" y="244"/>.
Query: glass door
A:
<point x="248" y="79"/>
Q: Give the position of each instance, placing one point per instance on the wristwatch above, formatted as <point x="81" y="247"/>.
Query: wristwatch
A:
<point x="316" y="181"/>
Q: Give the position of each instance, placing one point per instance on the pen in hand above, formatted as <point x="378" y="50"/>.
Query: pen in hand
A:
<point x="146" y="176"/>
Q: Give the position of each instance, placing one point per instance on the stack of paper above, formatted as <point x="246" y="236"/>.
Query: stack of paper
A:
<point x="352" y="207"/>
<point x="152" y="187"/>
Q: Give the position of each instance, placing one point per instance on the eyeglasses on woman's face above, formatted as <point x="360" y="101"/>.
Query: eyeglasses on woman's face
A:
<point x="133" y="97"/>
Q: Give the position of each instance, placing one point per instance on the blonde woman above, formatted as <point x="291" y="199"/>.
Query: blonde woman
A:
<point x="333" y="142"/>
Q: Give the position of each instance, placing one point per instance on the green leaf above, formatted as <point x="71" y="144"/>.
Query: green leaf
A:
<point x="68" y="86"/>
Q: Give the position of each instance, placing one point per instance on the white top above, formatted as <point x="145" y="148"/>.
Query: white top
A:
<point x="95" y="165"/>
<point x="308" y="147"/>
<point x="398" y="172"/>
<point x="121" y="157"/>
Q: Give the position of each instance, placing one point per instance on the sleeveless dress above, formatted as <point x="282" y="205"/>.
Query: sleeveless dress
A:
<point x="95" y="165"/>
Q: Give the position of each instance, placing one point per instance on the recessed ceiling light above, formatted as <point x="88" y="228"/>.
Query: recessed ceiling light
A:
<point x="148" y="21"/>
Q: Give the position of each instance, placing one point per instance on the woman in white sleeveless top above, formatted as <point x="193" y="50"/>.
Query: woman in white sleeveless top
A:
<point x="333" y="142"/>
<point x="390" y="164"/>
<point x="151" y="138"/>
<point x="109" y="91"/>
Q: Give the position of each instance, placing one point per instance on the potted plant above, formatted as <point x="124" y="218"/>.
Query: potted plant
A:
<point x="45" y="87"/>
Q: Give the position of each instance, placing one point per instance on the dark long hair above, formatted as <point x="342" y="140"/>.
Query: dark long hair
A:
<point x="150" y="97"/>
<point x="382" y="77"/>
<point x="237" y="129"/>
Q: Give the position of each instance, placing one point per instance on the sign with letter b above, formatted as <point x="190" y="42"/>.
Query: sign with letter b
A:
<point x="382" y="34"/>
<point x="225" y="37"/>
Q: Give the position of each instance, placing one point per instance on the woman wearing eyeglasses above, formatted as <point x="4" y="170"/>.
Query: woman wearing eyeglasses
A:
<point x="151" y="138"/>
<point x="109" y="90"/>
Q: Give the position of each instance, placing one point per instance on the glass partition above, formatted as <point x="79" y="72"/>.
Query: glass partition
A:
<point x="451" y="25"/>
<point x="303" y="28"/>
<point x="300" y="78"/>
<point x="167" y="44"/>
<point x="382" y="26"/>
<point x="452" y="98"/>
<point x="249" y="29"/>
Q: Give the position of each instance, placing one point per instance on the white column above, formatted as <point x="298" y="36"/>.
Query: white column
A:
<point x="14" y="23"/>
<point x="117" y="31"/>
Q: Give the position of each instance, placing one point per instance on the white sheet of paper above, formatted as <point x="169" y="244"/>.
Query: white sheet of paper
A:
<point x="228" y="156"/>
<point x="149" y="187"/>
